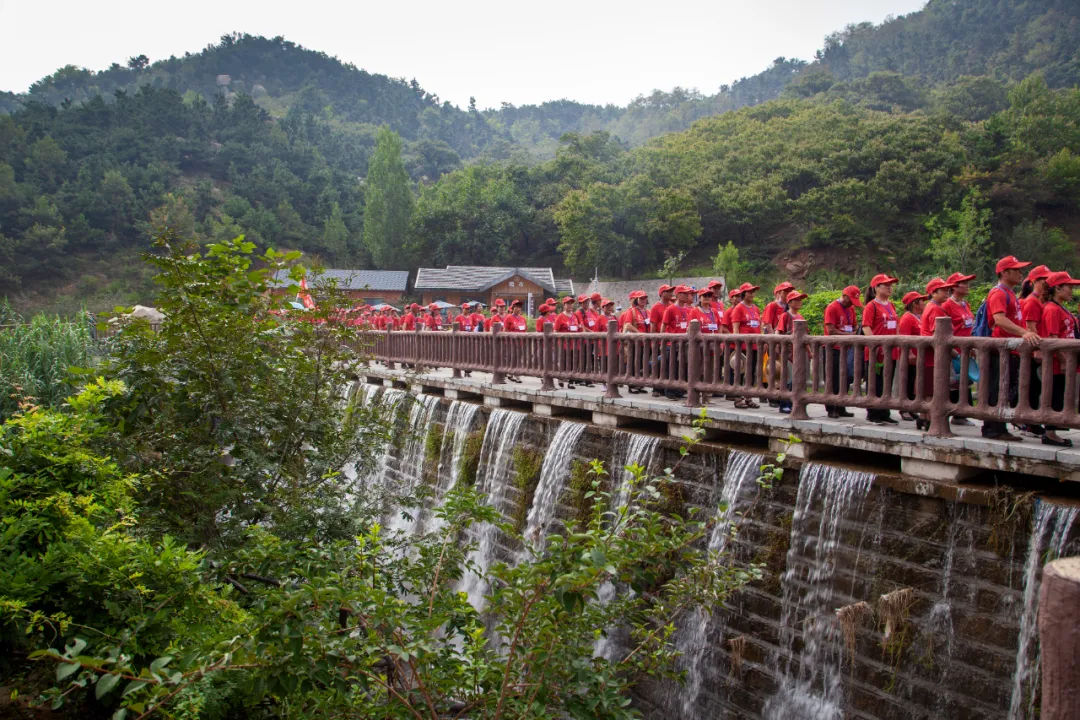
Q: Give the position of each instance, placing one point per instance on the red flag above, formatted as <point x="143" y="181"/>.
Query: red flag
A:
<point x="303" y="296"/>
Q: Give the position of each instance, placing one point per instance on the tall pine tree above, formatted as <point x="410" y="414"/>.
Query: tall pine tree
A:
<point x="388" y="202"/>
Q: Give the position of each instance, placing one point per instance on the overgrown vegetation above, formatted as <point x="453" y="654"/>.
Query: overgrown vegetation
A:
<point x="527" y="464"/>
<point x="579" y="485"/>
<point x="470" y="458"/>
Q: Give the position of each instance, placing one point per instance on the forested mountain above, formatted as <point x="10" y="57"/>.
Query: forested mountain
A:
<point x="885" y="134"/>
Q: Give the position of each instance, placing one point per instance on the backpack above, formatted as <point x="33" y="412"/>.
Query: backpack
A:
<point x="982" y="322"/>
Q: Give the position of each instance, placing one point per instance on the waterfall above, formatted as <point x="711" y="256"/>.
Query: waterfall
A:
<point x="496" y="455"/>
<point x="742" y="472"/>
<point x="1049" y="533"/>
<point x="811" y="687"/>
<point x="630" y="449"/>
<point x="553" y="475"/>
<point x="459" y="419"/>
<point x="411" y="463"/>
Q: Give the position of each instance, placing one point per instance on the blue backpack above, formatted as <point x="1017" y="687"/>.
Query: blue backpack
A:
<point x="982" y="322"/>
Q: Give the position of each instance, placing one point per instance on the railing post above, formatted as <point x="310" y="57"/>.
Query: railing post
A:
<point x="1059" y="639"/>
<point x="693" y="363"/>
<point x="455" y="354"/>
<point x="416" y="346"/>
<point x="939" y="417"/>
<point x="612" y="390"/>
<point x="548" y="359"/>
<point x="497" y="375"/>
<point x="798" y="371"/>
<point x="389" y="349"/>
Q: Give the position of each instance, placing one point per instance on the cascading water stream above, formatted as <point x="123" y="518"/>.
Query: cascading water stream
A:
<point x="553" y="475"/>
<point x="741" y="474"/>
<point x="411" y="464"/>
<point x="1049" y="533"/>
<point x="496" y="455"/>
<point x="811" y="686"/>
<point x="459" y="420"/>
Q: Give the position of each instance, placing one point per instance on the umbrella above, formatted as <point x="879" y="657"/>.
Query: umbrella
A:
<point x="443" y="305"/>
<point x="383" y="306"/>
<point x="297" y="305"/>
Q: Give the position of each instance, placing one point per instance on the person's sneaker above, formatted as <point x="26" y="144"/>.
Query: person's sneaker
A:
<point x="785" y="409"/>
<point x="1006" y="436"/>
<point x="657" y="393"/>
<point x="834" y="415"/>
<point x="774" y="403"/>
<point x="889" y="420"/>
<point x="961" y="421"/>
<point x="845" y="413"/>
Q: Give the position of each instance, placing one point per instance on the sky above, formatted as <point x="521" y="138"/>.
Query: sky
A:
<point x="496" y="51"/>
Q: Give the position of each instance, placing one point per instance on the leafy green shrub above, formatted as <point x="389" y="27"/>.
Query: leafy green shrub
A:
<point x="527" y="466"/>
<point x="36" y="359"/>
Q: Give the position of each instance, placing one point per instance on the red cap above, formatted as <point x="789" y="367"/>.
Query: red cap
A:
<point x="499" y="302"/>
<point x="882" y="279"/>
<point x="683" y="289"/>
<point x="795" y="295"/>
<point x="1060" y="278"/>
<point x="566" y="300"/>
<point x="550" y="301"/>
<point x="735" y="292"/>
<point x="582" y="298"/>
<point x="1039" y="273"/>
<point x="715" y="284"/>
<point x="516" y="302"/>
<point x="959" y="278"/>
<point x="1009" y="262"/>
<point x="912" y="297"/>
<point x="414" y="306"/>
<point x="432" y="306"/>
<point x="747" y="287"/>
<point x="596" y="297"/>
<point x="634" y="295"/>
<point x="465" y="305"/>
<point x="853" y="292"/>
<point x="783" y="287"/>
<point x="664" y="289"/>
<point x="707" y="291"/>
<point x="936" y="284"/>
<point x="604" y="302"/>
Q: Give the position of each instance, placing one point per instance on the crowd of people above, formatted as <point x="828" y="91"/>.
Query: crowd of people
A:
<point x="1025" y="304"/>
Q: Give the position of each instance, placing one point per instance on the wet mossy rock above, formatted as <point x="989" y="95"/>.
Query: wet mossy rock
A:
<point x="527" y="466"/>
<point x="580" y="482"/>
<point x="773" y="555"/>
<point x="470" y="458"/>
<point x="433" y="443"/>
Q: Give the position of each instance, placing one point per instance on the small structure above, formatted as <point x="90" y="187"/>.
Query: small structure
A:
<point x="460" y="283"/>
<point x="369" y="286"/>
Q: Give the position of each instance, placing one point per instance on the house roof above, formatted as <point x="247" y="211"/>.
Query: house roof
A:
<point x="384" y="280"/>
<point x="478" y="277"/>
<point x="564" y="287"/>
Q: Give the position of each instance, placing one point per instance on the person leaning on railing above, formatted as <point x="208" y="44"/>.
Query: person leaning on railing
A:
<point x="746" y="320"/>
<point x="1033" y="295"/>
<point x="515" y="322"/>
<point x="771" y="315"/>
<point x="840" y="320"/>
<point x="1057" y="322"/>
<point x="708" y="317"/>
<point x="567" y="322"/>
<point x="635" y="319"/>
<point x="879" y="318"/>
<point x="963" y="323"/>
<point x="656" y="319"/>
<point x="785" y="325"/>
<point x="1006" y="321"/>
<point x="677" y="321"/>
<point x="910" y="324"/>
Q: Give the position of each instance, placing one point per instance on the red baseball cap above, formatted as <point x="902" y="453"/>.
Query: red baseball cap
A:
<point x="582" y="298"/>
<point x="795" y="295"/>
<point x="883" y="279"/>
<point x="747" y="287"/>
<point x="596" y="297"/>
<point x="414" y="306"/>
<point x="936" y="284"/>
<point x="1060" y="278"/>
<point x="432" y="306"/>
<point x="606" y="301"/>
<point x="735" y="292"/>
<point x="567" y="300"/>
<point x="1009" y="262"/>
<point x="715" y="283"/>
<point x="634" y="295"/>
<point x="499" y="302"/>
<point x="707" y="291"/>
<point x="1039" y="273"/>
<point x="912" y="297"/>
<point x="956" y="278"/>
<point x="784" y="286"/>
<point x="549" y="301"/>
<point x="853" y="292"/>
<point x="465" y="304"/>
<point x="516" y="302"/>
<point x="665" y="288"/>
<point x="683" y="289"/>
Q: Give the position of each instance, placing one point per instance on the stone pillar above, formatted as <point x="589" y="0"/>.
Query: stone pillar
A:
<point x="612" y="390"/>
<point x="1059" y="639"/>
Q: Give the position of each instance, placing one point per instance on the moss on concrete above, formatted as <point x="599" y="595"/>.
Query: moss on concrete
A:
<point x="579" y="484"/>
<point x="470" y="458"/>
<point x="527" y="466"/>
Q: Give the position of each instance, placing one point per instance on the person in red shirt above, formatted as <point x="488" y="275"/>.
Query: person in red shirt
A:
<point x="464" y="319"/>
<point x="708" y="316"/>
<point x="1033" y="295"/>
<point x="497" y="315"/>
<point x="910" y="324"/>
<point x="545" y="318"/>
<point x="676" y="320"/>
<point x="477" y="318"/>
<point x="1057" y="322"/>
<point x="1005" y="318"/>
<point x="567" y="322"/>
<point x="937" y="290"/>
<point x="656" y="313"/>
<point x="593" y="314"/>
<point x="785" y="325"/>
<point x="746" y="320"/>
<point x="409" y="322"/>
<point x="771" y="315"/>
<point x="963" y="322"/>
<point x="515" y="322"/>
<point x="636" y="318"/>
<point x="840" y="320"/>
<point x="433" y="320"/>
<point x="879" y="318"/>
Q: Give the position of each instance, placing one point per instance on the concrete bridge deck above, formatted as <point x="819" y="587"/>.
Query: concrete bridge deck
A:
<point x="918" y="455"/>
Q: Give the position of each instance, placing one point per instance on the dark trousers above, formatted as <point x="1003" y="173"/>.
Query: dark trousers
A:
<point x="993" y="428"/>
<point x="912" y="374"/>
<point x="1057" y="396"/>
<point x="834" y="379"/>
<point x="879" y="388"/>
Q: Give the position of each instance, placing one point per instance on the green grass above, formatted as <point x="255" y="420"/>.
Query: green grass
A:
<point x="35" y="359"/>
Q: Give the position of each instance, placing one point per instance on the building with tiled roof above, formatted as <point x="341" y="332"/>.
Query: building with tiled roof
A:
<point x="370" y="286"/>
<point x="456" y="284"/>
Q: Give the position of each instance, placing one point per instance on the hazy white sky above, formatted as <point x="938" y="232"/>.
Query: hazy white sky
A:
<point x="496" y="50"/>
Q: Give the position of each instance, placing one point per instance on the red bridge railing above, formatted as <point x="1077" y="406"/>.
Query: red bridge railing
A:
<point x="800" y="369"/>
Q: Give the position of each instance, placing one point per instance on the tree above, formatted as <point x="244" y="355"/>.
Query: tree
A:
<point x="960" y="239"/>
<point x="335" y="237"/>
<point x="138" y="62"/>
<point x="388" y="202"/>
<point x="726" y="263"/>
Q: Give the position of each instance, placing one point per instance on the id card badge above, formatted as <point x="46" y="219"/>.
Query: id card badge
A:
<point x="847" y="328"/>
<point x="890" y="325"/>
<point x="754" y="323"/>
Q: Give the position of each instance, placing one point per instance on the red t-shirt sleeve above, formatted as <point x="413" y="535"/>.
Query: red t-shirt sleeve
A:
<point x="833" y="316"/>
<point x="1052" y="323"/>
<point x="1032" y="310"/>
<point x="997" y="302"/>
<point x="738" y="315"/>
<point x="771" y="315"/>
<point x="869" y="315"/>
